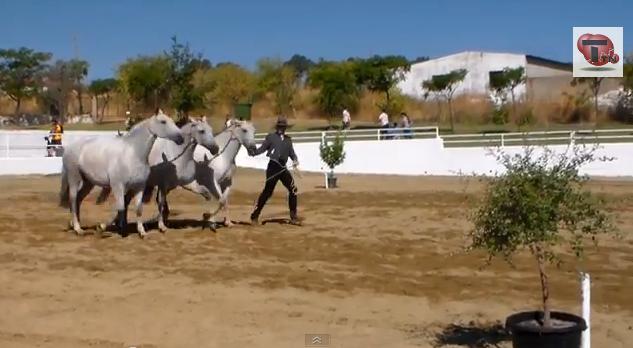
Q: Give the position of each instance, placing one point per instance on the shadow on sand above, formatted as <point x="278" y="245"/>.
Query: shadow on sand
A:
<point x="472" y="336"/>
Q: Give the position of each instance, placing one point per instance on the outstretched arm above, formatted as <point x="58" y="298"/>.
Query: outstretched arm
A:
<point x="263" y="148"/>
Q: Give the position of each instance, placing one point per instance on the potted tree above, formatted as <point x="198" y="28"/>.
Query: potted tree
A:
<point x="332" y="155"/>
<point x="539" y="205"/>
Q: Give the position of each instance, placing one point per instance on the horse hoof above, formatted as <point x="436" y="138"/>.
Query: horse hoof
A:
<point x="162" y="228"/>
<point x="206" y="216"/>
<point x="80" y="232"/>
<point x="101" y="227"/>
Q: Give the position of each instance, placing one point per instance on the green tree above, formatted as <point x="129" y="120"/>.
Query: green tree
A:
<point x="301" y="65"/>
<point x="539" y="204"/>
<point x="145" y="79"/>
<point x="19" y="73"/>
<point x="594" y="86"/>
<point x="337" y="87"/>
<point x="183" y="64"/>
<point x="280" y="80"/>
<point x="78" y="70"/>
<point x="226" y="84"/>
<point x="506" y="81"/>
<point x="627" y="81"/>
<point x="381" y="74"/>
<point x="58" y="83"/>
<point x="333" y="154"/>
<point x="102" y="90"/>
<point x="444" y="86"/>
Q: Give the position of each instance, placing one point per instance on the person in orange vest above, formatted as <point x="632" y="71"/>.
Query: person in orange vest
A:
<point x="55" y="137"/>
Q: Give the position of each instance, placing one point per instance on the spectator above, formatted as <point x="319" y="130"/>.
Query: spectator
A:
<point x="54" y="138"/>
<point x="383" y="119"/>
<point x="347" y="119"/>
<point x="395" y="131"/>
<point x="405" y="124"/>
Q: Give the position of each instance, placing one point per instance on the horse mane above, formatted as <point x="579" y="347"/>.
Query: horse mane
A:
<point x="137" y="127"/>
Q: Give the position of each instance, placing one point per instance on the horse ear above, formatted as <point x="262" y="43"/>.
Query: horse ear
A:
<point x="204" y="118"/>
<point x="206" y="159"/>
<point x="164" y="157"/>
<point x="160" y="111"/>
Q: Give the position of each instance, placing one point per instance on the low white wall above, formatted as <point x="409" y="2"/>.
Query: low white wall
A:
<point x="397" y="157"/>
<point x="28" y="166"/>
<point x="430" y="157"/>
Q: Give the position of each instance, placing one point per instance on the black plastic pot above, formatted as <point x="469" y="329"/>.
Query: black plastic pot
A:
<point x="538" y="337"/>
<point x="331" y="181"/>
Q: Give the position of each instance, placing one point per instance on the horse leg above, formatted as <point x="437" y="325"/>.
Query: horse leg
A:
<point x="163" y="212"/>
<point x="85" y="189"/>
<point x="227" y="218"/>
<point x="73" y="188"/>
<point x="120" y="206"/>
<point x="138" y="197"/>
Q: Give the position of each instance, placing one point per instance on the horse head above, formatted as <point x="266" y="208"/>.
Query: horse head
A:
<point x="163" y="126"/>
<point x="202" y="134"/>
<point x="244" y="131"/>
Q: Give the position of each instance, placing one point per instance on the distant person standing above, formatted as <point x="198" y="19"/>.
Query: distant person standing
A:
<point x="347" y="119"/>
<point x="405" y="124"/>
<point x="383" y="119"/>
<point x="54" y="138"/>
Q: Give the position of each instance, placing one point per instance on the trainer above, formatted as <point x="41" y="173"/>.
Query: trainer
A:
<point x="278" y="147"/>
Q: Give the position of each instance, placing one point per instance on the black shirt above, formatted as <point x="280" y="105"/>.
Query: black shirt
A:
<point x="279" y="148"/>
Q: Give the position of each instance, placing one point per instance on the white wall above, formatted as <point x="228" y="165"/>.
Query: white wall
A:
<point x="399" y="157"/>
<point x="429" y="157"/>
<point x="478" y="64"/>
<point x="31" y="143"/>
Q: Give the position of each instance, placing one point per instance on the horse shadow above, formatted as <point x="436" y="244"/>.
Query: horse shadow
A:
<point x="472" y="336"/>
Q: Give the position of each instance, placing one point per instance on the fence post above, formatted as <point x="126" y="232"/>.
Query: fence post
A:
<point x="378" y="134"/>
<point x="572" y="135"/>
<point x="586" y="308"/>
<point x="322" y="137"/>
<point x="437" y="132"/>
<point x="502" y="141"/>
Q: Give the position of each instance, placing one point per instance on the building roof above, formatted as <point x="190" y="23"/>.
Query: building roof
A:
<point x="530" y="59"/>
<point x="554" y="64"/>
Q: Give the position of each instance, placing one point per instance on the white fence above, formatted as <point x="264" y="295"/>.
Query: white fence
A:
<point x="421" y="152"/>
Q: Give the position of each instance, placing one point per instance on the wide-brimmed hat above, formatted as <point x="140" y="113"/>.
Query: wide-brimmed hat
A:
<point x="282" y="122"/>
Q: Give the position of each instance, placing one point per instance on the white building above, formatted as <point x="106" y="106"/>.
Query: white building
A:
<point x="480" y="65"/>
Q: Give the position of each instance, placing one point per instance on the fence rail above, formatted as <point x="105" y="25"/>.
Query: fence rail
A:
<point x="32" y="143"/>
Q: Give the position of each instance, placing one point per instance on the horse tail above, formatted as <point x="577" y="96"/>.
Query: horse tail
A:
<point x="147" y="193"/>
<point x="64" y="197"/>
<point x="103" y="195"/>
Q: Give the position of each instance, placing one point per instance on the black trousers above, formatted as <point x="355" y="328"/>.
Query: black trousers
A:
<point x="276" y="172"/>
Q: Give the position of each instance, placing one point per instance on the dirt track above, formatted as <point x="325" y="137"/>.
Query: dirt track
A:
<point x="379" y="263"/>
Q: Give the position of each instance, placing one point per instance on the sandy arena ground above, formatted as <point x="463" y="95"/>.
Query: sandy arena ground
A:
<point x="379" y="263"/>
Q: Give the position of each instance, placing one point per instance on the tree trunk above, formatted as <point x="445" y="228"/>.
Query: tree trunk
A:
<point x="547" y="321"/>
<point x="79" y="99"/>
<point x="18" y="102"/>
<point x="450" y="114"/>
<point x="103" y="108"/>
<point x="514" y="108"/>
<point x="595" y="88"/>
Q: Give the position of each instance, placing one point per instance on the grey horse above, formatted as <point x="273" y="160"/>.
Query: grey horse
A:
<point x="214" y="177"/>
<point x="119" y="163"/>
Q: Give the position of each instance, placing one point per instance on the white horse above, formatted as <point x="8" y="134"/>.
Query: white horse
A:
<point x="173" y="165"/>
<point x="119" y="163"/>
<point x="214" y="176"/>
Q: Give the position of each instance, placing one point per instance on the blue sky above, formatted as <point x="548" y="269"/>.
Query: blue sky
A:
<point x="107" y="32"/>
